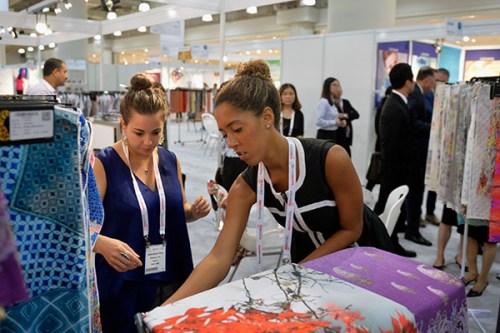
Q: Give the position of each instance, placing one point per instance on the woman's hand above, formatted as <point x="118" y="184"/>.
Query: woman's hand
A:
<point x="199" y="208"/>
<point x="118" y="254"/>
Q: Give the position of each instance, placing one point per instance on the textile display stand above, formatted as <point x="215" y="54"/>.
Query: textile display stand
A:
<point x="333" y="293"/>
<point x="192" y="102"/>
<point x="464" y="155"/>
<point x="49" y="185"/>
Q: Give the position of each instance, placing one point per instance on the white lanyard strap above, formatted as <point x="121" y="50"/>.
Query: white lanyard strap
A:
<point x="290" y="207"/>
<point x="142" y="203"/>
<point x="290" y="129"/>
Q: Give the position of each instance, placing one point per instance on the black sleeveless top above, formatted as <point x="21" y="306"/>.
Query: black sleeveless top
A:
<point x="316" y="214"/>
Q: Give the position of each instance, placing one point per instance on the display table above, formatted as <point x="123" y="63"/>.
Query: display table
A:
<point x="435" y="298"/>
<point x="355" y="290"/>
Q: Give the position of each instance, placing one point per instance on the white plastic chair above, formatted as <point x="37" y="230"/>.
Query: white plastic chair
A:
<point x="213" y="134"/>
<point x="273" y="238"/>
<point x="393" y="207"/>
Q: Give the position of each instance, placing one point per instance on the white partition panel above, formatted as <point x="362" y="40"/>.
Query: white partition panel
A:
<point x="302" y="66"/>
<point x="350" y="58"/>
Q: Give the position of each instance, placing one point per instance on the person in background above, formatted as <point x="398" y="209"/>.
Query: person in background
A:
<point x="292" y="118"/>
<point x="20" y="85"/>
<point x="421" y="127"/>
<point x="142" y="252"/>
<point x="347" y="113"/>
<point x="327" y="114"/>
<point x="397" y="145"/>
<point x="442" y="75"/>
<point x="327" y="204"/>
<point x="371" y="183"/>
<point x="478" y="234"/>
<point x="55" y="74"/>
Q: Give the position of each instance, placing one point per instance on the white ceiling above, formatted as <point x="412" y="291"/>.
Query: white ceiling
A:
<point x="408" y="12"/>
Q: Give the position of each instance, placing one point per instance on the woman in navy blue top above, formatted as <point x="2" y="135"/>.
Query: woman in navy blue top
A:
<point x="143" y="252"/>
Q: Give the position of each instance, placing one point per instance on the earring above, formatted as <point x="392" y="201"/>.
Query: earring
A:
<point x="161" y="140"/>
<point x="124" y="139"/>
<point x="268" y="126"/>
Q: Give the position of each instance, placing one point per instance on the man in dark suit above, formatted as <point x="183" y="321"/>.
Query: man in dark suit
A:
<point x="421" y="125"/>
<point x="397" y="144"/>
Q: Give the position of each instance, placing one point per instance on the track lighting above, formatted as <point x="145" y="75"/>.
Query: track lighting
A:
<point x="67" y="4"/>
<point x="57" y="10"/>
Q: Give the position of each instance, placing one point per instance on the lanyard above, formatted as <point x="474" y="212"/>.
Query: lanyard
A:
<point x="290" y="129"/>
<point x="142" y="203"/>
<point x="290" y="206"/>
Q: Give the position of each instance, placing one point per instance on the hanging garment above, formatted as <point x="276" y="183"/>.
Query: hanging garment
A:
<point x="494" y="226"/>
<point x="44" y="190"/>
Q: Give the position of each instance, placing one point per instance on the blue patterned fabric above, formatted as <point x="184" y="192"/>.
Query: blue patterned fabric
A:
<point x="43" y="185"/>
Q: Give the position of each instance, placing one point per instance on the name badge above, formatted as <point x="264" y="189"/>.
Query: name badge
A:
<point x="155" y="259"/>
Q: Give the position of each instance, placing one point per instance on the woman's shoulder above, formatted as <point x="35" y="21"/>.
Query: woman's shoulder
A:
<point x="166" y="153"/>
<point x="106" y="153"/>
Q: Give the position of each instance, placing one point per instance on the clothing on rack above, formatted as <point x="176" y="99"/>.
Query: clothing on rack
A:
<point x="463" y="150"/>
<point x="190" y="101"/>
<point x="94" y="103"/>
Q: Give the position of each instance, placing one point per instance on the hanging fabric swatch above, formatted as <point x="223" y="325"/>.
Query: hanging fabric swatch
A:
<point x="494" y="232"/>
<point x="44" y="189"/>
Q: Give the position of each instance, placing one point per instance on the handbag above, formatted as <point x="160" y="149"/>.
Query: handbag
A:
<point x="373" y="173"/>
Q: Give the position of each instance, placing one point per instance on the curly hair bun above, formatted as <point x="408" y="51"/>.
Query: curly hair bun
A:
<point x="140" y="81"/>
<point x="256" y="68"/>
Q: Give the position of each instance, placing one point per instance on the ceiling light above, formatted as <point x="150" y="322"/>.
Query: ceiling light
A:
<point x="224" y="58"/>
<point x="117" y="33"/>
<point x="144" y="7"/>
<point x="30" y="49"/>
<point x="207" y="18"/>
<point x="111" y="16"/>
<point x="466" y="38"/>
<point x="52" y="45"/>
<point x="252" y="10"/>
<point x="473" y="40"/>
<point x="68" y="5"/>
<point x="21" y="51"/>
<point x="41" y="47"/>
<point x="171" y="13"/>
<point x="146" y="50"/>
<point x="307" y="2"/>
<point x="48" y="31"/>
<point x="57" y="10"/>
<point x="97" y="37"/>
<point x="41" y="27"/>
<point x="33" y="35"/>
<point x="45" y="9"/>
<point x="142" y="29"/>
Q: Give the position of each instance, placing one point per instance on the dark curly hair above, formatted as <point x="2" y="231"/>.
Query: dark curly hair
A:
<point x="252" y="89"/>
